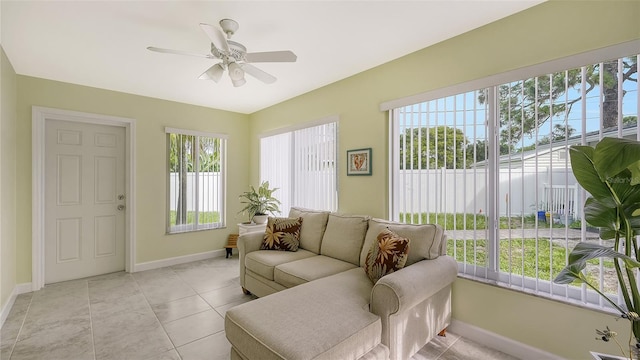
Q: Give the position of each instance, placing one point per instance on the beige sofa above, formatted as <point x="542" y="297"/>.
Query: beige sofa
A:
<point x="322" y="305"/>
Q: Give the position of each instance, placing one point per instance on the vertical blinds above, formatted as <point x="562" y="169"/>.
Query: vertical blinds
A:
<point x="302" y="164"/>
<point x="492" y="167"/>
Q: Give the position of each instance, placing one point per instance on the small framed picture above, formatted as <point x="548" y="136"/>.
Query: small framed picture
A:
<point x="359" y="162"/>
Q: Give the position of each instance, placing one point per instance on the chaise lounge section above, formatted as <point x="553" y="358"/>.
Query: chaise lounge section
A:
<point x="319" y="303"/>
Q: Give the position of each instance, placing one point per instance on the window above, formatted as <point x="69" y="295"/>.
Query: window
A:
<point x="301" y="163"/>
<point x="491" y="166"/>
<point x="196" y="163"/>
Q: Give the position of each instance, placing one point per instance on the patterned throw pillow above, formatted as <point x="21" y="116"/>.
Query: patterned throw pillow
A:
<point x="282" y="234"/>
<point x="386" y="255"/>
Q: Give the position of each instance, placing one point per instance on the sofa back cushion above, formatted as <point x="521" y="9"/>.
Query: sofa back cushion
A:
<point x="314" y="223"/>
<point x="344" y="237"/>
<point x="426" y="239"/>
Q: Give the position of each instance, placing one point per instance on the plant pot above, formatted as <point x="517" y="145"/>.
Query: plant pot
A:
<point x="260" y="219"/>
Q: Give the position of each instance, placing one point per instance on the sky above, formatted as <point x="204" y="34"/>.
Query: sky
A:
<point x="465" y="112"/>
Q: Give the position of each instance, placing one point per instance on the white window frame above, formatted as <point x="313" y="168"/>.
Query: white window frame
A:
<point x="221" y="187"/>
<point x="491" y="273"/>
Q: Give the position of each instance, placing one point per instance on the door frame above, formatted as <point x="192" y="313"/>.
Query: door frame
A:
<point x="39" y="116"/>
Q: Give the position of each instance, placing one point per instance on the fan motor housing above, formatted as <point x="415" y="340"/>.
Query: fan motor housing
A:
<point x="237" y="50"/>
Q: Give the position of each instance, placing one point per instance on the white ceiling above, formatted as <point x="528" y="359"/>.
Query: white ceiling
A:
<point x="103" y="43"/>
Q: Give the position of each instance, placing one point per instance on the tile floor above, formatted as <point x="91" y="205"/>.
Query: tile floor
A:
<point x="170" y="313"/>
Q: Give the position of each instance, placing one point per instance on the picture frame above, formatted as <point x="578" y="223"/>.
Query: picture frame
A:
<point x="359" y="162"/>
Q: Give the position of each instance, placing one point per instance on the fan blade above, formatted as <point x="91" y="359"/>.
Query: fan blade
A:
<point x="258" y="74"/>
<point x="271" y="56"/>
<point x="178" y="52"/>
<point x="213" y="73"/>
<point x="216" y="36"/>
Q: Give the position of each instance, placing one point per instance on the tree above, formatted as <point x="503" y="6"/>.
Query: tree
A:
<point x="478" y="151"/>
<point x="182" y="155"/>
<point x="180" y="160"/>
<point x="526" y="106"/>
<point x="559" y="134"/>
<point x="441" y="146"/>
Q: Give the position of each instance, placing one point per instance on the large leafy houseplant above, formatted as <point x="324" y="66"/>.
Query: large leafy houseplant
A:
<point x="610" y="173"/>
<point x="260" y="201"/>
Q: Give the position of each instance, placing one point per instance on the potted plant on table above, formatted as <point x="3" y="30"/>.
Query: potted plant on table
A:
<point x="610" y="173"/>
<point x="260" y="202"/>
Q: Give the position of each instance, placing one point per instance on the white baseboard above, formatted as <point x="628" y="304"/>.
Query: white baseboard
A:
<point x="150" y="265"/>
<point x="17" y="290"/>
<point x="499" y="342"/>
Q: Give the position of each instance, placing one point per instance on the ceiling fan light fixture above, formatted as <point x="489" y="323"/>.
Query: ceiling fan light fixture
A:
<point x="232" y="56"/>
<point x="238" y="83"/>
<point x="214" y="73"/>
<point x="235" y="72"/>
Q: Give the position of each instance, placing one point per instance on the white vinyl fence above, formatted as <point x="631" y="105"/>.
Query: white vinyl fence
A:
<point x="452" y="191"/>
<point x="207" y="183"/>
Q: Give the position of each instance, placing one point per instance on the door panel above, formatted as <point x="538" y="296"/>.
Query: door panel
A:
<point x="84" y="198"/>
<point x="106" y="235"/>
<point x="68" y="239"/>
<point x="69" y="179"/>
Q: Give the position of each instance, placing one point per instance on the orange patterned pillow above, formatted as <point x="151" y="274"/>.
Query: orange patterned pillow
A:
<point x="386" y="255"/>
<point x="282" y="234"/>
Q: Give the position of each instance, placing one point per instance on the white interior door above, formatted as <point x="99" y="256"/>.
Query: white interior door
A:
<point x="84" y="200"/>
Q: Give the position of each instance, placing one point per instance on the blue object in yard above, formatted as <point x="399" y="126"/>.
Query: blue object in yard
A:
<point x="541" y="216"/>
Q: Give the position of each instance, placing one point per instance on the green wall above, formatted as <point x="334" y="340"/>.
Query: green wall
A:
<point x="8" y="104"/>
<point x="549" y="31"/>
<point x="151" y="115"/>
<point x="545" y="32"/>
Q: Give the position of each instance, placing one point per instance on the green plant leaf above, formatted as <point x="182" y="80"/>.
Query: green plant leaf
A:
<point x="600" y="215"/>
<point x="606" y="234"/>
<point x="613" y="155"/>
<point x="260" y="200"/>
<point x="635" y="173"/>
<point x="621" y="186"/>
<point x="632" y="212"/>
<point x="584" y="252"/>
<point x="586" y="174"/>
<point x="571" y="273"/>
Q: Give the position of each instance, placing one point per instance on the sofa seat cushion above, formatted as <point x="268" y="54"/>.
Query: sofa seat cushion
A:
<point x="301" y="271"/>
<point x="324" y="319"/>
<point x="263" y="262"/>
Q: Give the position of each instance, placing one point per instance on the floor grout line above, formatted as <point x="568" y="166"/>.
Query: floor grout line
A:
<point x="93" y="335"/>
<point x="146" y="299"/>
<point x="24" y="319"/>
<point x="442" y="354"/>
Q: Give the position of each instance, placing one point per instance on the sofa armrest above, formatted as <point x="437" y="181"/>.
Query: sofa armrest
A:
<point x="410" y="286"/>
<point x="248" y="243"/>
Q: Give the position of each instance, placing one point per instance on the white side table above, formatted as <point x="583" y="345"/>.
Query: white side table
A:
<point x="249" y="228"/>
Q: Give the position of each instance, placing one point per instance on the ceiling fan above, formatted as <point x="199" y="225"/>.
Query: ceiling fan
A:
<point x="233" y="55"/>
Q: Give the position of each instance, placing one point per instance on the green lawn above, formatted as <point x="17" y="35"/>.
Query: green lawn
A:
<point x="522" y="252"/>
<point x="460" y="221"/>
<point x="203" y="217"/>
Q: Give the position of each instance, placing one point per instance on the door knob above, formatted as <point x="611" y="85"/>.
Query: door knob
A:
<point x="121" y="207"/>
<point x="121" y="197"/>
